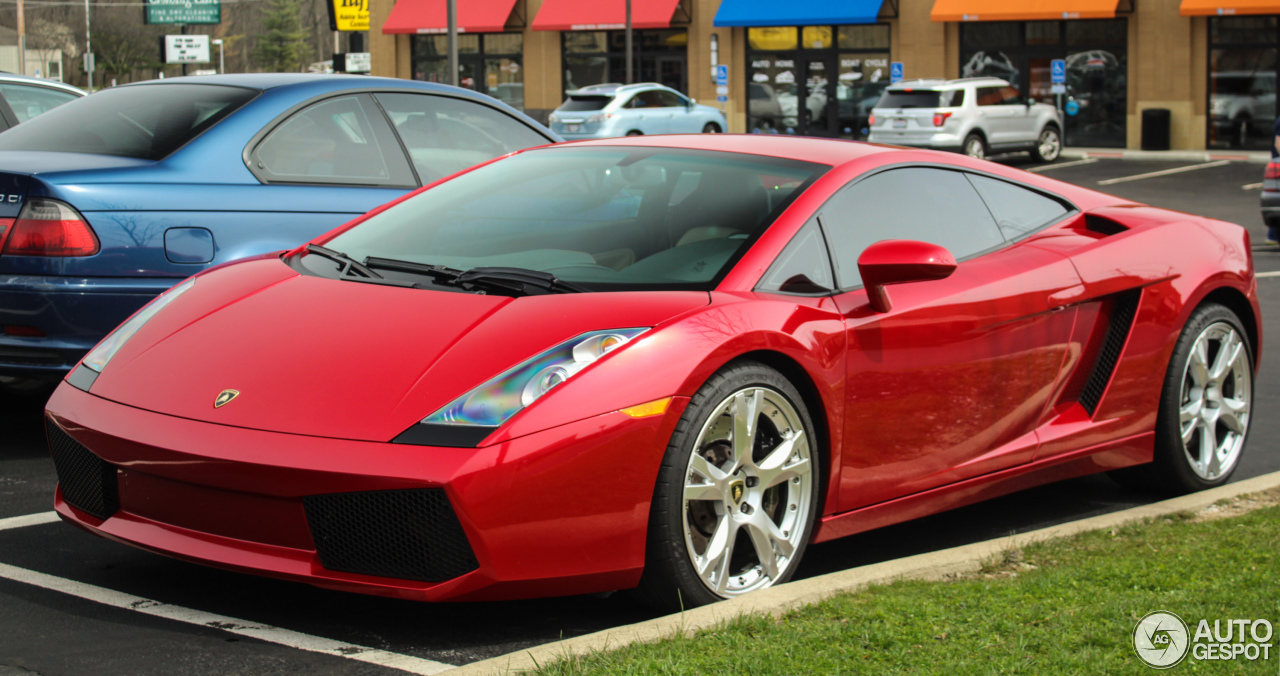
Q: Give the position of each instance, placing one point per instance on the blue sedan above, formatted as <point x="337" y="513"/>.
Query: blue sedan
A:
<point x="107" y="201"/>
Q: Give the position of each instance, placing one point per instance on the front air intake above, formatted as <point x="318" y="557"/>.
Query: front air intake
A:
<point x="88" y="482"/>
<point x="409" y="534"/>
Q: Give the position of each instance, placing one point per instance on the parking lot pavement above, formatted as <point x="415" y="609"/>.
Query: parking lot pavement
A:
<point x="52" y="632"/>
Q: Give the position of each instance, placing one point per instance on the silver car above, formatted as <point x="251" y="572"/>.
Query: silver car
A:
<point x="607" y="110"/>
<point x="23" y="97"/>
<point x="978" y="116"/>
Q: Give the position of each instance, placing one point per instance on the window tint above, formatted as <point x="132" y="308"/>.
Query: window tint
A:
<point x="646" y="99"/>
<point x="669" y="99"/>
<point x="579" y="103"/>
<point x="930" y="205"/>
<point x="990" y="96"/>
<point x="144" y="121"/>
<point x="28" y="101"/>
<point x="445" y="135"/>
<point x="803" y="267"/>
<point x="919" y="98"/>
<point x="338" y="140"/>
<point x="1016" y="209"/>
<point x="1011" y="96"/>
<point x="953" y="98"/>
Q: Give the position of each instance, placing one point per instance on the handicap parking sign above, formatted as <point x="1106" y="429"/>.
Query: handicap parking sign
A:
<point x="895" y="72"/>
<point x="1058" y="71"/>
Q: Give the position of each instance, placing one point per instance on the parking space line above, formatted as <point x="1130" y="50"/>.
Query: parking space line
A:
<point x="270" y="634"/>
<point x="1164" y="172"/>
<point x="1268" y="274"/>
<point x="1251" y="186"/>
<point x="28" y="520"/>
<point x="1047" y="167"/>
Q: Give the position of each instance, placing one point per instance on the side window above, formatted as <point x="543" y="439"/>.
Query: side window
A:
<point x="28" y="101"/>
<point x="953" y="98"/>
<point x="990" y="96"/>
<point x="1017" y="210"/>
<point x="669" y="100"/>
<point x="920" y="203"/>
<point x="1011" y="96"/>
<point x="803" y="267"/>
<point x="339" y="140"/>
<point x="445" y="135"/>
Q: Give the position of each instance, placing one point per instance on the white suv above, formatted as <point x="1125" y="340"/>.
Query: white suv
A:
<point x="978" y="116"/>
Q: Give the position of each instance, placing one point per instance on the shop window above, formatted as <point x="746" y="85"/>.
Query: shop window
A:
<point x="1243" y="29"/>
<point x="598" y="57"/>
<point x="771" y="38"/>
<point x="585" y="42"/>
<point x="816" y="37"/>
<point x="438" y="45"/>
<point x="984" y="35"/>
<point x="1096" y="32"/>
<point x="863" y="37"/>
<point x="489" y="63"/>
<point x="1044" y="32"/>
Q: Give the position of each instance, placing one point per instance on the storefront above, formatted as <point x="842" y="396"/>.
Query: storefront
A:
<point x="490" y="59"/>
<point x="1095" y="105"/>
<point x="1242" y="81"/>
<point x="596" y="57"/>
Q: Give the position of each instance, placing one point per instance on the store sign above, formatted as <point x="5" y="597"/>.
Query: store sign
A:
<point x="183" y="12"/>
<point x="358" y="62"/>
<point x="348" y="15"/>
<point x="186" y="49"/>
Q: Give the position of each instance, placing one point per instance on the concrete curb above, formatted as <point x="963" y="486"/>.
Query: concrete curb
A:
<point x="1257" y="156"/>
<point x="778" y="600"/>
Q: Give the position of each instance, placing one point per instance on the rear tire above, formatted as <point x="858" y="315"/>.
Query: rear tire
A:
<point x="737" y="494"/>
<point x="635" y="132"/>
<point x="1048" y="146"/>
<point x="1203" y="419"/>
<point x="974" y="147"/>
<point x="711" y="128"/>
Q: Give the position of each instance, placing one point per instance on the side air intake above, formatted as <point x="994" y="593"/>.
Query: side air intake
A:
<point x="1123" y="309"/>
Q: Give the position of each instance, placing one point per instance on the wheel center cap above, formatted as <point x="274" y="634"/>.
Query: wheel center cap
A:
<point x="737" y="491"/>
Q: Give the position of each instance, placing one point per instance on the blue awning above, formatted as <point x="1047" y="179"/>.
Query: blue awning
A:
<point x="796" y="12"/>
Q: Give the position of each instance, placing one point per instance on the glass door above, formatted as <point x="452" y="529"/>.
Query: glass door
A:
<point x="860" y="81"/>
<point x="816" y="101"/>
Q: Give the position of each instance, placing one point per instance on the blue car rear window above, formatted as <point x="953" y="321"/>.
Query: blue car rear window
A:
<point x="147" y="122"/>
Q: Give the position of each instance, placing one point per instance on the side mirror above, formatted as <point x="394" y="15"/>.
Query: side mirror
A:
<point x="899" y="261"/>
<point x="1031" y="102"/>
<point x="693" y="102"/>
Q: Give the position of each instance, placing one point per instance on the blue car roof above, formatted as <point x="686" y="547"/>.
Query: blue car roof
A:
<point x="320" y="82"/>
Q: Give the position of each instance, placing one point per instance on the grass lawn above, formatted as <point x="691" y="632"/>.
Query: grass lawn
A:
<point x="1062" y="607"/>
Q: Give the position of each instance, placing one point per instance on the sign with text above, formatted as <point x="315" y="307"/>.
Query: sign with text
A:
<point x="348" y="15"/>
<point x="183" y="11"/>
<point x="186" y="49"/>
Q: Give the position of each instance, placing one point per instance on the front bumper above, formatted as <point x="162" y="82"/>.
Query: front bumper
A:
<point x="73" y="313"/>
<point x="562" y="511"/>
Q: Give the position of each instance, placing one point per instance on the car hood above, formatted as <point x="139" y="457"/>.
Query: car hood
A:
<point x="324" y="357"/>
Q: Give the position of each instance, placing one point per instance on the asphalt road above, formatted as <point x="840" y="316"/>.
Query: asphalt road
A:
<point x="49" y="632"/>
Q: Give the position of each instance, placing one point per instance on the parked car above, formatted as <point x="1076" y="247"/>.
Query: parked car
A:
<point x="975" y="116"/>
<point x="115" y="197"/>
<point x="23" y="97"/>
<point x="1271" y="200"/>
<point x="606" y="110"/>
<point x="663" y="364"/>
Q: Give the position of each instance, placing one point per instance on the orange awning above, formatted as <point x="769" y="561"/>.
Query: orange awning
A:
<point x="1024" y="10"/>
<point x="1228" y="7"/>
<point x="431" y="16"/>
<point x="592" y="15"/>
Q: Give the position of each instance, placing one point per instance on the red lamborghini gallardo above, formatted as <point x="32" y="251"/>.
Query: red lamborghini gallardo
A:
<point x="661" y="363"/>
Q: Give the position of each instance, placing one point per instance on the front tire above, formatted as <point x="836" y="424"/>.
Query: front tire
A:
<point x="711" y="128"/>
<point x="635" y="132"/>
<point x="1048" y="145"/>
<point x="1203" y="420"/>
<point x="737" y="494"/>
<point x="974" y="147"/>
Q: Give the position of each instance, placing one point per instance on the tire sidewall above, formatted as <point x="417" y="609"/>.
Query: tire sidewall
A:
<point x="667" y="557"/>
<point x="1042" y="157"/>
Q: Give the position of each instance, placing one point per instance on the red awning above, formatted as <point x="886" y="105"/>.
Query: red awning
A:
<point x="431" y="16"/>
<point x="596" y="15"/>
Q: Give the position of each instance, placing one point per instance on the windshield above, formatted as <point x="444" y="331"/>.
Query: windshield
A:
<point x="607" y="218"/>
<point x="147" y="122"/>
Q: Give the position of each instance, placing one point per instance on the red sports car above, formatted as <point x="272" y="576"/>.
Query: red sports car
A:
<point x="662" y="363"/>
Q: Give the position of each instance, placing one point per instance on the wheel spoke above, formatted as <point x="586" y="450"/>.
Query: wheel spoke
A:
<point x="704" y="467"/>
<point x="1199" y="366"/>
<point x="1190" y="411"/>
<point x="718" y="545"/>
<point x="703" y="492"/>
<point x="1231" y="413"/>
<point x="746" y="413"/>
<point x="763" y="540"/>
<point x="1189" y="431"/>
<point x="1208" y="452"/>
<point x="1227" y="355"/>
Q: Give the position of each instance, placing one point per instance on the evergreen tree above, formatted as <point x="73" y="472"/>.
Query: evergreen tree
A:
<point x="283" y="42"/>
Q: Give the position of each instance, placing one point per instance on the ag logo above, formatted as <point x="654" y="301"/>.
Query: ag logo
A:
<point x="1161" y="639"/>
<point x="225" y="397"/>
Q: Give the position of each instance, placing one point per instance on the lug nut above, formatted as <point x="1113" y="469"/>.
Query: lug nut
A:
<point x="752" y="482"/>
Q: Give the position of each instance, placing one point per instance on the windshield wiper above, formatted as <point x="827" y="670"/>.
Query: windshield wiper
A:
<point x="503" y="280"/>
<point x="348" y="263"/>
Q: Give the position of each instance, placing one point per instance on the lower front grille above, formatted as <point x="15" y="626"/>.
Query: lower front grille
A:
<point x="408" y="534"/>
<point x="88" y="482"/>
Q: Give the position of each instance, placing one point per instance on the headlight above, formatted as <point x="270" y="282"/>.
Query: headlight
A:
<point x="553" y="118"/>
<point x="503" y="396"/>
<point x="100" y="355"/>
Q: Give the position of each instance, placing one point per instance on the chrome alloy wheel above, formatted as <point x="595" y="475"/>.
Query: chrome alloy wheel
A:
<point x="1216" y="398"/>
<point x="1050" y="145"/>
<point x="748" y="492"/>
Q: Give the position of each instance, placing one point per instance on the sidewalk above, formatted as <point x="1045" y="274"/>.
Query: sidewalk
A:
<point x="1258" y="156"/>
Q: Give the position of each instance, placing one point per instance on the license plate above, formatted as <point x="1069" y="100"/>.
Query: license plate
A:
<point x="900" y="124"/>
<point x="573" y="127"/>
